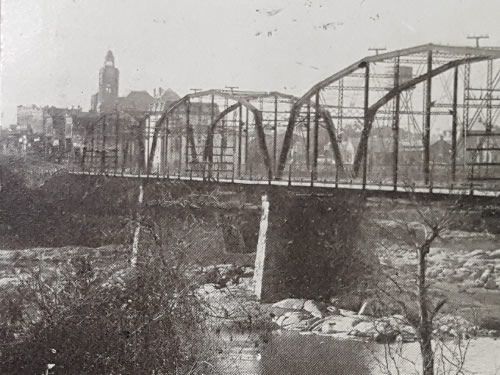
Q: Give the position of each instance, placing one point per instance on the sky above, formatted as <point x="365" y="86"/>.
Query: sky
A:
<point x="51" y="50"/>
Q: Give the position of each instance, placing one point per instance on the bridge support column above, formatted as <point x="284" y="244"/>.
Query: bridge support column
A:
<point x="258" y="277"/>
<point x="302" y="239"/>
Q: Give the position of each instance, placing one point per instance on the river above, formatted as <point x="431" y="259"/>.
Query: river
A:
<point x="290" y="353"/>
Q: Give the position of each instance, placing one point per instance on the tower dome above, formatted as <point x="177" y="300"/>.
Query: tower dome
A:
<point x="110" y="59"/>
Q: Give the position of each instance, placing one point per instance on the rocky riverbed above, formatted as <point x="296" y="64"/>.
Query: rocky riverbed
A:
<point x="235" y="302"/>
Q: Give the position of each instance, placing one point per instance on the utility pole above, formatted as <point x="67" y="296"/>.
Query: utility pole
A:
<point x="196" y="90"/>
<point x="477" y="38"/>
<point x="232" y="88"/>
<point x="377" y="50"/>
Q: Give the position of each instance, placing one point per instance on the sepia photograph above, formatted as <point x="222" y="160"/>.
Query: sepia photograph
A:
<point x="249" y="187"/>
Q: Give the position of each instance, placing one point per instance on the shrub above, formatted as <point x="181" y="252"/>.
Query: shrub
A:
<point x="135" y="322"/>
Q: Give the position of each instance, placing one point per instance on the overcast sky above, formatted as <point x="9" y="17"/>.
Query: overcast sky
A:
<point x="52" y="49"/>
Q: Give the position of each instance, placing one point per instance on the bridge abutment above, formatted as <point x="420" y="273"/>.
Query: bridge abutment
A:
<point x="306" y="244"/>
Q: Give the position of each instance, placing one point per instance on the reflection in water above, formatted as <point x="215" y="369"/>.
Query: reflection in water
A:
<point x="289" y="353"/>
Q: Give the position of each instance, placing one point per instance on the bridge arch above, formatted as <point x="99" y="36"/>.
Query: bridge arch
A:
<point x="436" y="58"/>
<point x="241" y="101"/>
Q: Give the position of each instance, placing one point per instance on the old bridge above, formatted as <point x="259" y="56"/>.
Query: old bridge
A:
<point x="426" y="117"/>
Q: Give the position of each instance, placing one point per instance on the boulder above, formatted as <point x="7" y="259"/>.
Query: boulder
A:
<point x="493" y="333"/>
<point x="485" y="276"/>
<point x="495" y="254"/>
<point x="476" y="274"/>
<point x="491" y="284"/>
<point x="470" y="263"/>
<point x="444" y="328"/>
<point x="386" y="337"/>
<point x="337" y="324"/>
<point x="315" y="308"/>
<point x="477" y="253"/>
<point x="448" y="272"/>
<point x="364" y="329"/>
<point x="290" y="304"/>
<point x="333" y="310"/>
<point x="293" y="320"/>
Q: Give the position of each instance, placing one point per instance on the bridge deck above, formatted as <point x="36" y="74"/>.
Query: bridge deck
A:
<point x="456" y="190"/>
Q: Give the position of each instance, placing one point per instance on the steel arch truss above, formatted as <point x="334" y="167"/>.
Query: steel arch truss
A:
<point x="388" y="108"/>
<point x="219" y="133"/>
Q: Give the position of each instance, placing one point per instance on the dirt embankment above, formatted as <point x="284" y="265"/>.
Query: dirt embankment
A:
<point x="49" y="209"/>
<point x="57" y="209"/>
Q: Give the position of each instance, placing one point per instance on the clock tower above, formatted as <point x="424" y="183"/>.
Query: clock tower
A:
<point x="108" y="84"/>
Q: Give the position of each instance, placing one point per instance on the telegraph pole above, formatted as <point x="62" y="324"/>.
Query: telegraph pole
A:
<point x="477" y="38"/>
<point x="196" y="90"/>
<point x="377" y="50"/>
<point x="232" y="88"/>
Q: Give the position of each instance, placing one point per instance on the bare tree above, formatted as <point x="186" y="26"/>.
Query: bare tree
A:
<point x="413" y="297"/>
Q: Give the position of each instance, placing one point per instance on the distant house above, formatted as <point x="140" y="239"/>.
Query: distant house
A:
<point x="440" y="152"/>
<point x="163" y="99"/>
<point x="135" y="102"/>
<point x="30" y="119"/>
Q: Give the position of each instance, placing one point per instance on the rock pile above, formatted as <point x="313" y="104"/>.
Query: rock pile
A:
<point x="310" y="317"/>
<point x="478" y="268"/>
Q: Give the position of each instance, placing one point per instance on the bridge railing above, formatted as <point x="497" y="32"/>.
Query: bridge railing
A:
<point x="381" y="176"/>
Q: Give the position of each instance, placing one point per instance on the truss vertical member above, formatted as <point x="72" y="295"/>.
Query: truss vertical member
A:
<point x="149" y="163"/>
<point x="489" y="118"/>
<point x="454" y="125"/>
<point x="365" y="132"/>
<point x="308" y="136"/>
<point x="427" y="122"/>
<point x="103" y="151"/>
<point x="240" y="136"/>
<point x="275" y="133"/>
<point x="179" y="137"/>
<point x="92" y="146"/>
<point x="489" y="92"/>
<point x="117" y="135"/>
<point x="223" y="140"/>
<point x="166" y="144"/>
<point x="141" y="146"/>
<point x="125" y="153"/>
<point x="341" y="107"/>
<point x="395" y="126"/>
<point x="316" y="137"/>
<point x="188" y="132"/>
<point x="211" y="148"/>
<point x="234" y="130"/>
<point x="246" y="141"/>
<point x="465" y="122"/>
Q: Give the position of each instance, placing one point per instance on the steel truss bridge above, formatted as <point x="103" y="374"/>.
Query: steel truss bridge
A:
<point x="426" y="116"/>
